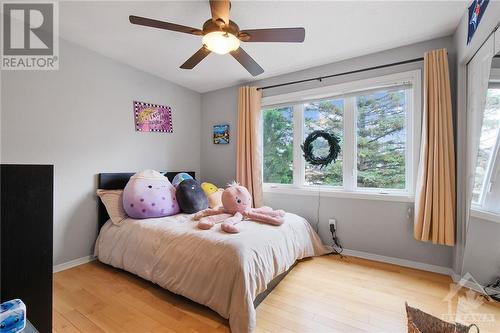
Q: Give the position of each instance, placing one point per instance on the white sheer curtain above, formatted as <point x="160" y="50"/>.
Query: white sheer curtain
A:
<point x="478" y="74"/>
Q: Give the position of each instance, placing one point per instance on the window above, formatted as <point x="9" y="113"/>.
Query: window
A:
<point x="381" y="139"/>
<point x="373" y="119"/>
<point x="278" y="144"/>
<point x="486" y="193"/>
<point x="324" y="115"/>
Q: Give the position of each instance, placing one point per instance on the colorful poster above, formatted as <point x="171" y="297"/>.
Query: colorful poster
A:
<point x="221" y="134"/>
<point x="476" y="11"/>
<point x="152" y="118"/>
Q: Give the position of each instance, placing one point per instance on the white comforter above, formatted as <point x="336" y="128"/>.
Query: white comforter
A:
<point x="222" y="271"/>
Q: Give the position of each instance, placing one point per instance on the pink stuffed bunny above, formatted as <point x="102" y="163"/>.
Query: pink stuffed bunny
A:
<point x="237" y="206"/>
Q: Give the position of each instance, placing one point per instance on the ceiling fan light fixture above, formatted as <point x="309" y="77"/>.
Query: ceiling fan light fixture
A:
<point x="221" y="42"/>
<point x="223" y="36"/>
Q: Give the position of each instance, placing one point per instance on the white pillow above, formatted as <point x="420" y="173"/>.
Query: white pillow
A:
<point x="113" y="201"/>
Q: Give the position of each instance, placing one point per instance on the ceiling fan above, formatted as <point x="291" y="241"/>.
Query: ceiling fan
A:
<point x="222" y="36"/>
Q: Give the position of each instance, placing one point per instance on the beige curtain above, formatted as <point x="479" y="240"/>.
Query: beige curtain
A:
<point x="435" y="190"/>
<point x="249" y="144"/>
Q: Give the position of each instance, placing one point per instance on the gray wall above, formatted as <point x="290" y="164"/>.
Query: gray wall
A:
<point x="219" y="161"/>
<point x="482" y="250"/>
<point x="364" y="225"/>
<point x="490" y="20"/>
<point x="495" y="63"/>
<point x="80" y="119"/>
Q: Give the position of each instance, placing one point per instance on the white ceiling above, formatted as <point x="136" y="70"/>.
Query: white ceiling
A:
<point x="334" y="31"/>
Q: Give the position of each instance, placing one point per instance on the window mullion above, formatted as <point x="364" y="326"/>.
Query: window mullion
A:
<point x="489" y="191"/>
<point x="349" y="141"/>
<point x="409" y="148"/>
<point x="298" y="137"/>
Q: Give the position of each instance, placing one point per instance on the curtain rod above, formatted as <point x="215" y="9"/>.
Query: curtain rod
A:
<point x="321" y="78"/>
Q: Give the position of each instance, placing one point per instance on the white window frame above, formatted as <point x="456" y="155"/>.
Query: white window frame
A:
<point x="487" y="205"/>
<point x="349" y="189"/>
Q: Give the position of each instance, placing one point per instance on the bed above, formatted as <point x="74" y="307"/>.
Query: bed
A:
<point x="229" y="273"/>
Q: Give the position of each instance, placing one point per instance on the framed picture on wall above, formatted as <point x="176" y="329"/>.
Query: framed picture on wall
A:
<point x="152" y="117"/>
<point x="221" y="134"/>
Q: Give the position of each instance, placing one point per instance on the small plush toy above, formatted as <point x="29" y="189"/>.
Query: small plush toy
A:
<point x="237" y="206"/>
<point x="12" y="316"/>
<point x="179" y="178"/>
<point x="149" y="194"/>
<point x="213" y="193"/>
<point x="191" y="197"/>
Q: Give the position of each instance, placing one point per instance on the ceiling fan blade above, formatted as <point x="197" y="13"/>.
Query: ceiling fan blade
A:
<point x="220" y="10"/>
<point x="284" y="35"/>
<point x="246" y="61"/>
<point x="196" y="58"/>
<point x="163" y="25"/>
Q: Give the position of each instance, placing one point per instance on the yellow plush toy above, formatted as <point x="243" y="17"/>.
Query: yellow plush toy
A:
<point x="213" y="193"/>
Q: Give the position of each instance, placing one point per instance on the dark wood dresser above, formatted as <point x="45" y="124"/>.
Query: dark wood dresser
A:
<point x="26" y="239"/>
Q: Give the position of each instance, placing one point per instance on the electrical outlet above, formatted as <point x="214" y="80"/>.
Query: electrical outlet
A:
<point x="333" y="222"/>
<point x="409" y="213"/>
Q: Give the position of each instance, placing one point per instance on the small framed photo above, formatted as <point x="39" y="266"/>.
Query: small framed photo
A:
<point x="152" y="117"/>
<point x="221" y="134"/>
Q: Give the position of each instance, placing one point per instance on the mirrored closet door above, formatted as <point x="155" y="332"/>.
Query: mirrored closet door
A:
<point x="482" y="235"/>
<point x="485" y="190"/>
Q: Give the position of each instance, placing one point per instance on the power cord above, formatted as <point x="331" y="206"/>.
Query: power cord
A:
<point x="493" y="290"/>
<point x="318" y="210"/>
<point x="337" y="247"/>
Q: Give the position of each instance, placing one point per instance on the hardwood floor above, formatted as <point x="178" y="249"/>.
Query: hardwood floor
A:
<point x="325" y="294"/>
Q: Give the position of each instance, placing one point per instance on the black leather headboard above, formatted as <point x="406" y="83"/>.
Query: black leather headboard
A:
<point x="117" y="181"/>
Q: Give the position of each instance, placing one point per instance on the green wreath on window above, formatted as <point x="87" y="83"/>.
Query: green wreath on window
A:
<point x="322" y="161"/>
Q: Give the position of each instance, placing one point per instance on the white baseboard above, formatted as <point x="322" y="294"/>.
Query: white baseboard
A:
<point x="456" y="277"/>
<point x="467" y="282"/>
<point x="353" y="253"/>
<point x="400" y="262"/>
<point x="72" y="263"/>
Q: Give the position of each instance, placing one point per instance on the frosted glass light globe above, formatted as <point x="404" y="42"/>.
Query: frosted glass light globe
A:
<point x="221" y="42"/>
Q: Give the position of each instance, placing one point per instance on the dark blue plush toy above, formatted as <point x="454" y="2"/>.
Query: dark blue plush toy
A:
<point x="191" y="197"/>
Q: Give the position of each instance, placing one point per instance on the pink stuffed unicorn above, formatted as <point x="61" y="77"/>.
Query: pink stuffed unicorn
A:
<point x="237" y="206"/>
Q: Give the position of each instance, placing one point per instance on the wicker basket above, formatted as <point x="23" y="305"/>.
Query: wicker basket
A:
<point x="421" y="322"/>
